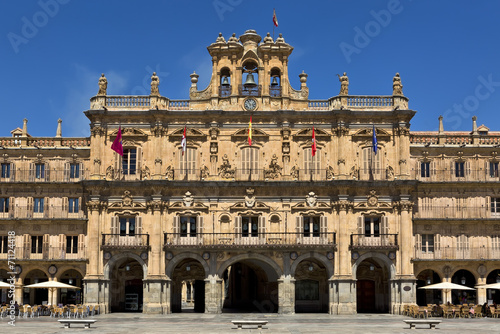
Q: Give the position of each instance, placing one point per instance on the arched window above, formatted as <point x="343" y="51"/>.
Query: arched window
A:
<point x="225" y="83"/>
<point x="250" y="82"/>
<point x="275" y="84"/>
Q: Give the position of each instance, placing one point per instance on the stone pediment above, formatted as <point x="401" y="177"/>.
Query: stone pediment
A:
<point x="367" y="133"/>
<point x="243" y="134"/>
<point x="127" y="202"/>
<point x="258" y="206"/>
<point x="129" y="132"/>
<point x="318" y="206"/>
<point x="367" y="205"/>
<point x="306" y="134"/>
<point x="195" y="206"/>
<point x="191" y="133"/>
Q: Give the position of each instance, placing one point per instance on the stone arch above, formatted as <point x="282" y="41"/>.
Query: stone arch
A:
<point x="26" y="271"/>
<point x="315" y="255"/>
<point x="252" y="256"/>
<point x="181" y="257"/>
<point x="473" y="272"/>
<point x="63" y="269"/>
<point x="111" y="263"/>
<point x="377" y="257"/>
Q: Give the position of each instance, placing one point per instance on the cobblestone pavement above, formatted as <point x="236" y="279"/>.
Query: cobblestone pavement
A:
<point x="192" y="323"/>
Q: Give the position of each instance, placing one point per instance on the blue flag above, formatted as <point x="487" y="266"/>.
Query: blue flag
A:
<point x="374" y="141"/>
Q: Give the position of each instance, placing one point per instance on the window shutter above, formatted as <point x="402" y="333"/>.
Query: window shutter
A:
<point x="81" y="245"/>
<point x="418" y="169"/>
<point x="114" y="224"/>
<point x="361" y="228"/>
<point x="262" y="228"/>
<point x="66" y="172"/>
<point x="65" y="207"/>
<point x="11" y="207"/>
<point x="323" y="228"/>
<point x="467" y="168"/>
<point x="139" y="162"/>
<point x="138" y="227"/>
<point x="61" y="247"/>
<point x="32" y="172"/>
<point x="432" y="167"/>
<point x="45" y="246"/>
<point x="237" y="227"/>
<point x="299" y="227"/>
<point x="452" y="169"/>
<point x="199" y="228"/>
<point x="46" y="207"/>
<point x="176" y="225"/>
<point x="385" y="225"/>
<point x="26" y="246"/>
<point x="418" y="242"/>
<point x="47" y="172"/>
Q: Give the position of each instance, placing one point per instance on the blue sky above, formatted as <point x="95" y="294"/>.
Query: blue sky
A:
<point x="53" y="52"/>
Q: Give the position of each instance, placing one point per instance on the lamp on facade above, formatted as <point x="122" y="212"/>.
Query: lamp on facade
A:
<point x="463" y="280"/>
<point x="70" y="281"/>
<point x="498" y="279"/>
<point x="36" y="280"/>
<point x="428" y="280"/>
<point x="188" y="267"/>
<point x="127" y="267"/>
<point x="311" y="267"/>
<point x="372" y="267"/>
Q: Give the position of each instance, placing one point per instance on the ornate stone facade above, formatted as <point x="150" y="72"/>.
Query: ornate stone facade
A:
<point x="266" y="227"/>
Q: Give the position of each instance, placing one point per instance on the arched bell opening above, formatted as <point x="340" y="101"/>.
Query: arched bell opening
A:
<point x="275" y="84"/>
<point x="250" y="79"/>
<point x="225" y="82"/>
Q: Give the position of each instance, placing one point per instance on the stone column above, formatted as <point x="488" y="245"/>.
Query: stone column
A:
<point x="286" y="295"/>
<point x="213" y="294"/>
<point x="406" y="241"/>
<point x="404" y="150"/>
<point x="481" y="292"/>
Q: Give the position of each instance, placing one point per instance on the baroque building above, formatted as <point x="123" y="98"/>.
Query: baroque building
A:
<point x="375" y="213"/>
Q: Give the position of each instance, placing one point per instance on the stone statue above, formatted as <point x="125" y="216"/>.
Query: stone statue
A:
<point x="155" y="82"/>
<point x="280" y="39"/>
<point x="233" y="39"/>
<point x="250" y="198"/>
<point x="220" y="39"/>
<point x="225" y="170"/>
<point x="103" y="85"/>
<point x="268" y="38"/>
<point x="274" y="170"/>
<point x="344" y="84"/>
<point x="397" y="87"/>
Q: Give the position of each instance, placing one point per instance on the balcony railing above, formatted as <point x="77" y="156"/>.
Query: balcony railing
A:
<point x="125" y="241"/>
<point x="225" y="90"/>
<point x="45" y="212"/>
<point x="48" y="175"/>
<point x="48" y="253"/>
<point x="279" y="239"/>
<point x="454" y="253"/>
<point x="454" y="212"/>
<point x="127" y="101"/>
<point x="374" y="241"/>
<point x="370" y="101"/>
<point x="450" y="175"/>
<point x="275" y="91"/>
<point x="179" y="105"/>
<point x="250" y="90"/>
<point x="318" y="105"/>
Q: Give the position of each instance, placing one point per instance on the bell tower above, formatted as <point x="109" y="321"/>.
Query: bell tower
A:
<point x="249" y="68"/>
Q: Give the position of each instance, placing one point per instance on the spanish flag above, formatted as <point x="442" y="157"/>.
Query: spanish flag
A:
<point x="250" y="132"/>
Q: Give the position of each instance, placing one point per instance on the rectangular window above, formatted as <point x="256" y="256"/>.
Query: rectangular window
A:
<point x="462" y="242"/>
<point x="5" y="170"/>
<point x="188" y="226"/>
<point x="495" y="206"/>
<point x="4" y="248"/>
<point x="72" y="244"/>
<point x="249" y="160"/>
<point x="311" y="226"/>
<point x="495" y="242"/>
<point x="249" y="226"/>
<point x="425" y="168"/>
<point x="4" y="204"/>
<point x="40" y="171"/>
<point x="459" y="169"/>
<point x="187" y="162"/>
<point x="73" y="205"/>
<point x="36" y="244"/>
<point x="372" y="227"/>
<point x="74" y="171"/>
<point x="493" y="169"/>
<point x="311" y="164"/>
<point x="127" y="226"/>
<point x="129" y="161"/>
<point x="38" y="205"/>
<point x="371" y="162"/>
<point x="428" y="243"/>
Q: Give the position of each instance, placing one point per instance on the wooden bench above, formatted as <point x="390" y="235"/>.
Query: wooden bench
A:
<point x="67" y="322"/>
<point x="241" y="323"/>
<point x="431" y="323"/>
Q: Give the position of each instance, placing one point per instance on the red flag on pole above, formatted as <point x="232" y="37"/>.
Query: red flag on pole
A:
<point x="183" y="141"/>
<point x="117" y="143"/>
<point x="313" y="146"/>
<point x="275" y="19"/>
<point x="250" y="132"/>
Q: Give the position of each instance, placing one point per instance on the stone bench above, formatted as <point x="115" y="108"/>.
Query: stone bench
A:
<point x="431" y="323"/>
<point x="67" y="322"/>
<point x="241" y="323"/>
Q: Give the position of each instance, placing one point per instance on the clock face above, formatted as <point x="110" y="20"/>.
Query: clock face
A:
<point x="250" y="104"/>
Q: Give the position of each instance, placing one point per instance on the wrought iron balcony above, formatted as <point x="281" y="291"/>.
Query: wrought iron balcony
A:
<point x="455" y="253"/>
<point x="374" y="241"/>
<point x="45" y="176"/>
<point x="275" y="91"/>
<point x="250" y="90"/>
<point x="453" y="175"/>
<point x="257" y="240"/>
<point x="454" y="212"/>
<point x="225" y="90"/>
<point x="48" y="253"/>
<point x="113" y="241"/>
<point x="45" y="212"/>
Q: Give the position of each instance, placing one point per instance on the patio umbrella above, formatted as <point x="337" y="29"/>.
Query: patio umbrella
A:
<point x="489" y="286"/>
<point x="446" y="286"/>
<point x="4" y="285"/>
<point x="52" y="286"/>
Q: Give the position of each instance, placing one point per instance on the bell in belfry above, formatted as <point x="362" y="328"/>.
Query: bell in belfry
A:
<point x="250" y="82"/>
<point x="275" y="81"/>
<point x="225" y="81"/>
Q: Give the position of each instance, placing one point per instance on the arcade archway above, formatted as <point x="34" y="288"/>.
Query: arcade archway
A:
<point x="35" y="296"/>
<point x="372" y="286"/>
<point x="188" y="286"/>
<point x="311" y="287"/>
<point x="463" y="277"/>
<point x="126" y="288"/>
<point x="428" y="296"/>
